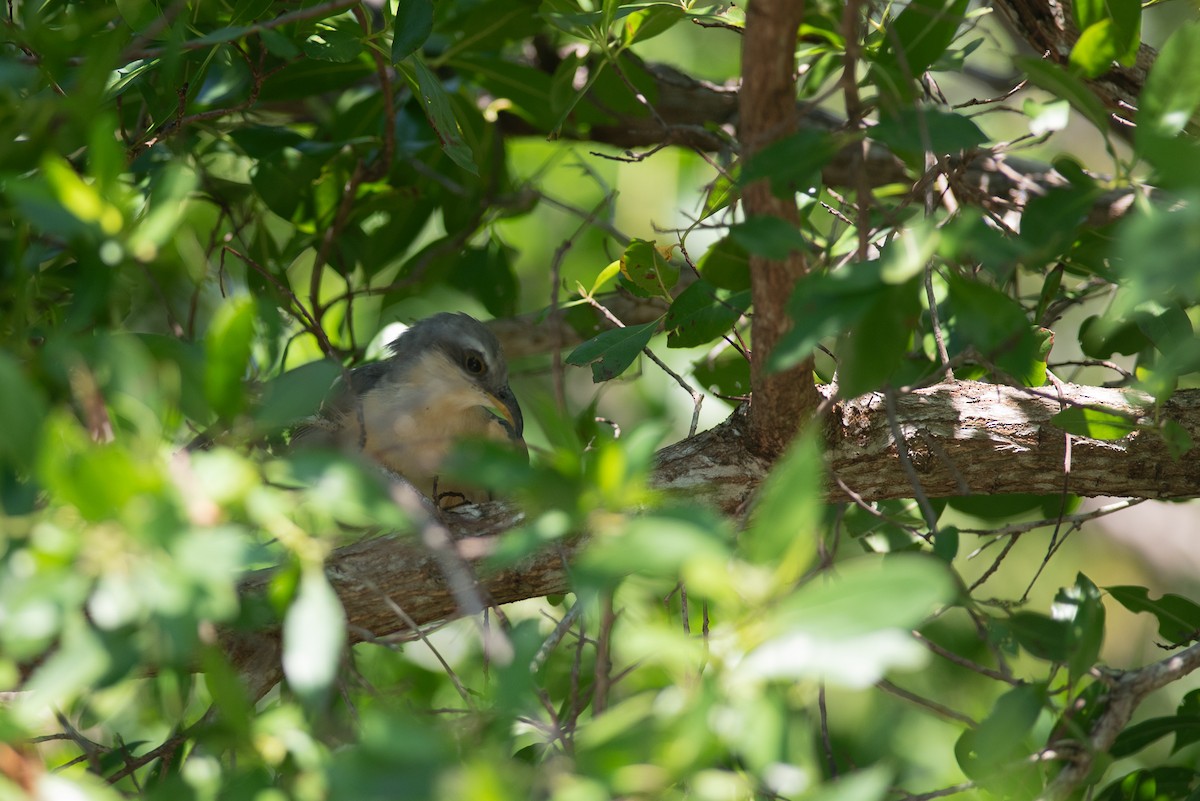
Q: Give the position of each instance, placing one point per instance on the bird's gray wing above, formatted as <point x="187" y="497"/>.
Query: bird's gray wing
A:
<point x="340" y="403"/>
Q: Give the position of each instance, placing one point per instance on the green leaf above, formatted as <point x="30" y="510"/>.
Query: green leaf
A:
<point x="1159" y="784"/>
<point x="1189" y="708"/>
<point x="1062" y="84"/>
<point x="787" y="512"/>
<point x="875" y="347"/>
<point x="314" y="635"/>
<point x="1178" y="441"/>
<point x="913" y="41"/>
<point x="413" y="24"/>
<point x="728" y="374"/>
<point x="339" y="41"/>
<point x="1178" y="618"/>
<point x="1172" y="91"/>
<point x="792" y="164"/>
<point x="1042" y="636"/>
<point x="295" y="395"/>
<point x="1002" y="737"/>
<point x="1140" y="735"/>
<point x="611" y="353"/>
<point x="1111" y="31"/>
<point x="645" y="271"/>
<point x="702" y="313"/>
<point x="436" y="105"/>
<point x="726" y="265"/>
<point x="768" y="236"/>
<point x="994" y="325"/>
<point x="853" y="626"/>
<point x="604" y="276"/>
<point x="21" y="410"/>
<point x="646" y="23"/>
<point x="1094" y="423"/>
<point x="826" y="304"/>
<point x="660" y="544"/>
<point x="913" y="131"/>
<point x="1081" y="607"/>
<point x="227" y="355"/>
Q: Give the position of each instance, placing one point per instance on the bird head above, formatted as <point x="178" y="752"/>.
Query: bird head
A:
<point x="459" y="363"/>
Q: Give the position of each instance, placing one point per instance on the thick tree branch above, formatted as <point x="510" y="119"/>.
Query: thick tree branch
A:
<point x="992" y="438"/>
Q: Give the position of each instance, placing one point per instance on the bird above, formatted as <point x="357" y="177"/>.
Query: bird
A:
<point x="445" y="380"/>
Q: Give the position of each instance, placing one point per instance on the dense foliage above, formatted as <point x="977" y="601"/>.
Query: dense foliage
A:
<point x="210" y="209"/>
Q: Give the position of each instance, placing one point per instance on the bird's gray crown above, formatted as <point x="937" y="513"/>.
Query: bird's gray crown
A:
<point x="458" y="335"/>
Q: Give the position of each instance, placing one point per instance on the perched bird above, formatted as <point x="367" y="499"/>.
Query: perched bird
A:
<point x="446" y="380"/>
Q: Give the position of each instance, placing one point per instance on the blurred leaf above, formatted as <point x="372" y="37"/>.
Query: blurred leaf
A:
<point x="702" y="313"/>
<point x="1178" y="618"/>
<point x="1061" y="84"/>
<point x="295" y="395"/>
<point x="1094" y="423"/>
<point x="1044" y="637"/>
<point x="787" y="514"/>
<point x="727" y="374"/>
<point x="1110" y="31"/>
<point x="1178" y="441"/>
<point x="915" y="39"/>
<point x="1140" y="735"/>
<point x="21" y="409"/>
<point x="768" y="236"/>
<point x="726" y="265"/>
<point x="646" y="23"/>
<point x="1081" y="607"/>
<point x="314" y="635"/>
<point x="412" y="26"/>
<point x="611" y="353"/>
<point x="1172" y="91"/>
<point x="1002" y="737"/>
<point x="662" y="544"/>
<point x="872" y="352"/>
<point x="855" y="626"/>
<point x="826" y="304"/>
<point x="227" y="355"/>
<point x="1160" y="784"/>
<point x="792" y="164"/>
<point x="999" y="507"/>
<point x="995" y="326"/>
<point x="913" y="131"/>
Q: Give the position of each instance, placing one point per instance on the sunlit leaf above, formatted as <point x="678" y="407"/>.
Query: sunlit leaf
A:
<point x="1094" y="423"/>
<point x="314" y="636"/>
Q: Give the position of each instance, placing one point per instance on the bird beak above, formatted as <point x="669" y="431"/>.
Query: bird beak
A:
<point x="510" y="411"/>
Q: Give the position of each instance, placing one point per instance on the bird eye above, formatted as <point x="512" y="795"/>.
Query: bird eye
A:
<point x="475" y="365"/>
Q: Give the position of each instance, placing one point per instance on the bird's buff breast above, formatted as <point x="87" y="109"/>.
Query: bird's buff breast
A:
<point x="412" y="432"/>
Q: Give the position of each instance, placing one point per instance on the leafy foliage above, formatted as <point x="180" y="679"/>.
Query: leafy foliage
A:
<point x="211" y="209"/>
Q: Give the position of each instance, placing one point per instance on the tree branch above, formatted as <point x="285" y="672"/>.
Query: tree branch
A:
<point x="996" y="439"/>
